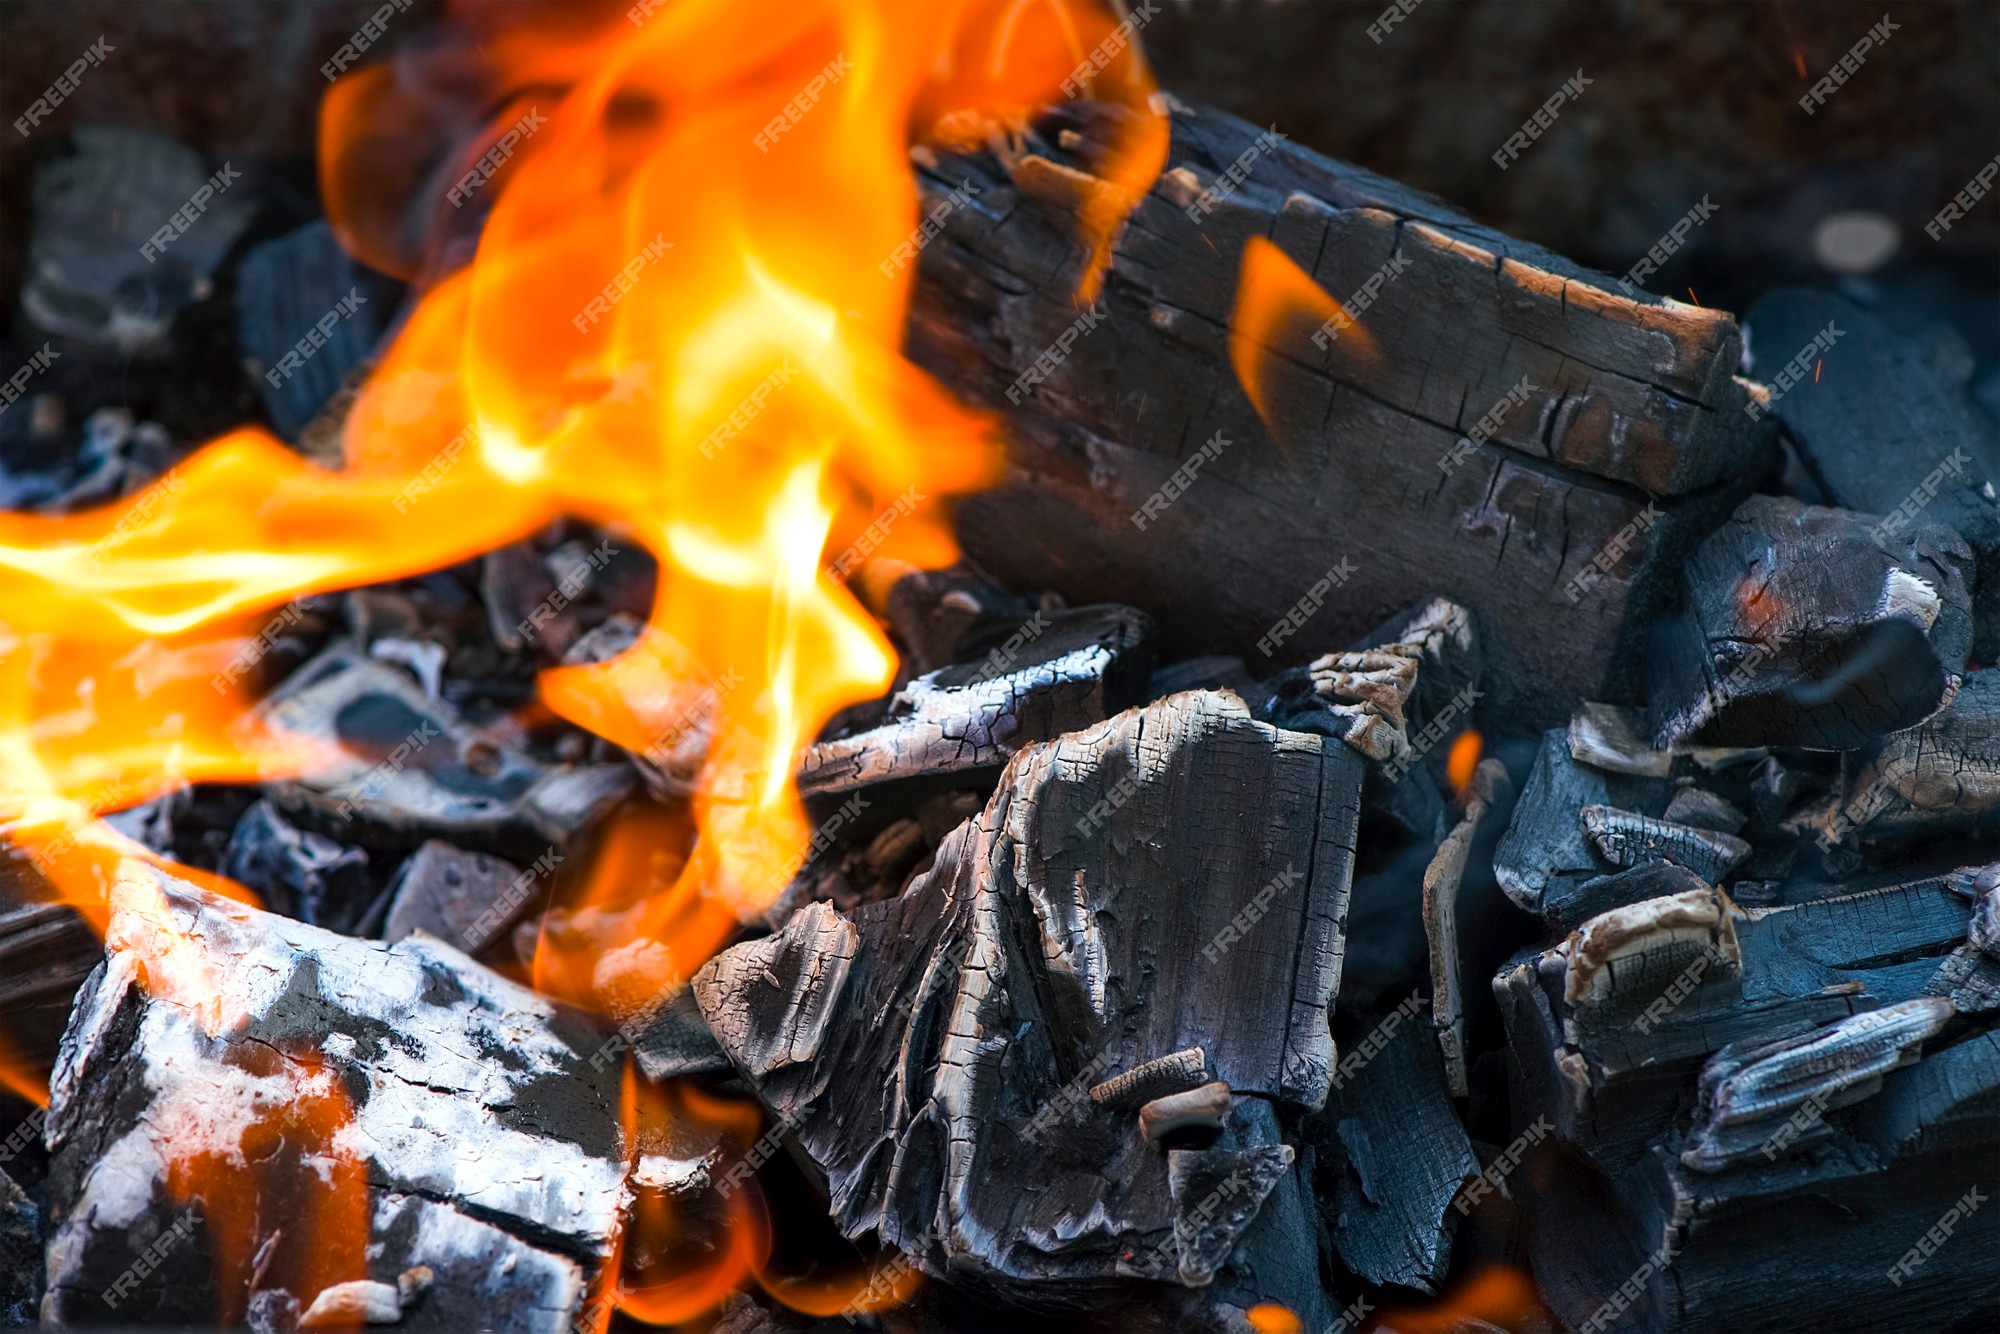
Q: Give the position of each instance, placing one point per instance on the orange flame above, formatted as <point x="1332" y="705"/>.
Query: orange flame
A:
<point x="1462" y="760"/>
<point x="1282" y="315"/>
<point x="1496" y="1295"/>
<point x="679" y="325"/>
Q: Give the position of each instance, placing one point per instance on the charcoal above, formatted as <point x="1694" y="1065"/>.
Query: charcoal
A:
<point x="1705" y="810"/>
<point x="408" y="769"/>
<point x="1613" y="738"/>
<point x="1442" y="881"/>
<point x="1886" y="432"/>
<point x="96" y="209"/>
<point x="1969" y="978"/>
<point x="670" y="1038"/>
<point x="488" y="1145"/>
<point x="20" y="1255"/>
<point x="1403" y="1157"/>
<point x="297" y="294"/>
<point x="466" y="899"/>
<point x="1111" y="906"/>
<point x="1629" y="441"/>
<point x="1626" y="839"/>
<point x="299" y="873"/>
<point x="1546" y="856"/>
<point x="47" y="950"/>
<point x="944" y="617"/>
<point x="1805" y="627"/>
<point x="1061" y="672"/>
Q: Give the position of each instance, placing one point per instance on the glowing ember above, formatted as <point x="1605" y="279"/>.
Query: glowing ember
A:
<point x="1461" y="760"/>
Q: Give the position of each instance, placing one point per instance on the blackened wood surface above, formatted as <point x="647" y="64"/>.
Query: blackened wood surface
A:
<point x="1630" y="399"/>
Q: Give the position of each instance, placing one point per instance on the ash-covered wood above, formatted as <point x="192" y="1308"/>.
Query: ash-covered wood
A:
<point x="487" y="1144"/>
<point x="406" y="767"/>
<point x="1057" y="673"/>
<point x="1939" y="777"/>
<point x="1369" y="459"/>
<point x="1172" y="878"/>
<point x="1803" y="626"/>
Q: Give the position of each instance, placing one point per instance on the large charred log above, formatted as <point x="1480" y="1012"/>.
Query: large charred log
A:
<point x="1541" y="523"/>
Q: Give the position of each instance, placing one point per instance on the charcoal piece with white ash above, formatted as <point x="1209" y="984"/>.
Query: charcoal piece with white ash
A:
<point x="299" y="873"/>
<point x="1568" y="447"/>
<point x="1174" y="878"/>
<point x="1808" y="626"/>
<point x="405" y="767"/>
<point x="1056" y="673"/>
<point x="230" y="1075"/>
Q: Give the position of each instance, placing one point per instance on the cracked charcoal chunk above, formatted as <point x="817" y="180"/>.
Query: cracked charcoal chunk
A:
<point x="1625" y="839"/>
<point x="1442" y="879"/>
<point x="1176" y="1072"/>
<point x="1627" y="397"/>
<point x="490" y="1145"/>
<point x="20" y="1256"/>
<point x="936" y="1050"/>
<point x="1071" y="669"/>
<point x="284" y="287"/>
<point x="1545" y="858"/>
<point x="466" y="899"/>
<point x="409" y="769"/>
<point x="299" y="873"/>
<point x="1877" y="431"/>
<point x="1804" y="628"/>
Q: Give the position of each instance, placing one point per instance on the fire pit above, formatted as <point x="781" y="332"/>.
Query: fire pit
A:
<point x="885" y="665"/>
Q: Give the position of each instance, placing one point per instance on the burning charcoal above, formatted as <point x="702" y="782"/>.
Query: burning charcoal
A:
<point x="1442" y="879"/>
<point x="1886" y="433"/>
<point x="46" y="953"/>
<point x="299" y="873"/>
<point x="408" y="769"/>
<point x="670" y="1038"/>
<point x="1557" y="385"/>
<point x="1081" y="930"/>
<point x="306" y="316"/>
<point x="401" y="1087"/>
<point x="1625" y="839"/>
<point x="1402" y="1155"/>
<point x="20" y="1256"/>
<point x="1806" y="627"/>
<point x="1060" y="673"/>
<point x="466" y="899"/>
<point x="105" y="266"/>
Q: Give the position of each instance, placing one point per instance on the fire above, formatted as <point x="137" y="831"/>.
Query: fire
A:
<point x="677" y="324"/>
<point x="1461" y="760"/>
<point x="1282" y="314"/>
